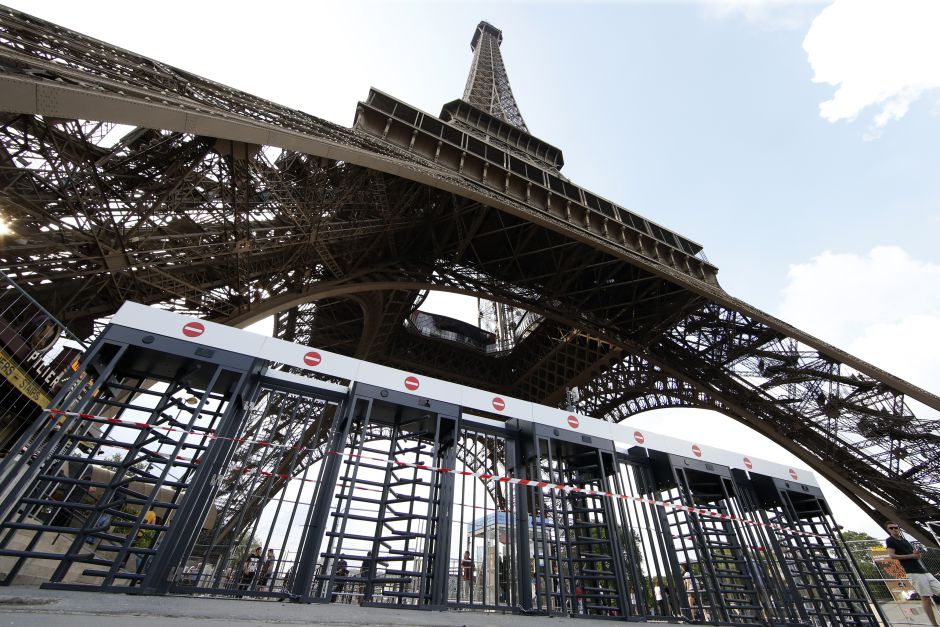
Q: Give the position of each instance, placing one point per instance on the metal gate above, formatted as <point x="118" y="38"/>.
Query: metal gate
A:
<point x="263" y="494"/>
<point x="387" y="533"/>
<point x="98" y="484"/>
<point x="827" y="589"/>
<point x="577" y="561"/>
<point x="484" y="558"/>
<point x="172" y="466"/>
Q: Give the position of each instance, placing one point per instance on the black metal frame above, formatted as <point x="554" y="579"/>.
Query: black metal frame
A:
<point x="229" y="454"/>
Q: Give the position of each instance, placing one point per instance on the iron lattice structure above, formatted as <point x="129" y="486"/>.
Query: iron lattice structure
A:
<point x="488" y="84"/>
<point x="126" y="179"/>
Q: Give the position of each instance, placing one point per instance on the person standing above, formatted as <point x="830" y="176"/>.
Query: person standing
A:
<point x="697" y="609"/>
<point x="250" y="568"/>
<point x="367" y="571"/>
<point x="267" y="570"/>
<point x="466" y="567"/>
<point x="925" y="584"/>
<point x="689" y="589"/>
<point x="145" y="539"/>
<point x="339" y="583"/>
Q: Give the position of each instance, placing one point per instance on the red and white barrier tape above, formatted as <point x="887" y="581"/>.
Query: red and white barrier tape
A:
<point x="485" y="476"/>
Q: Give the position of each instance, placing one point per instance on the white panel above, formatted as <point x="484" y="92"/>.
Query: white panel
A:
<point x="312" y="359"/>
<point x="629" y="437"/>
<point x="788" y="473"/>
<point x="404" y="381"/>
<point x="570" y="421"/>
<point x="499" y="404"/>
<point x="161" y="322"/>
<point x="214" y="335"/>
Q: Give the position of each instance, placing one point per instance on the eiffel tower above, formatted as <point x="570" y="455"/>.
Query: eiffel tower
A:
<point x="127" y="179"/>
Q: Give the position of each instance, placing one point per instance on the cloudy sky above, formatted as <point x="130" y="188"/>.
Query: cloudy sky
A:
<point x="799" y="142"/>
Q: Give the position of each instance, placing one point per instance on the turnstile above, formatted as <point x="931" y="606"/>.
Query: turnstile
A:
<point x="170" y="466"/>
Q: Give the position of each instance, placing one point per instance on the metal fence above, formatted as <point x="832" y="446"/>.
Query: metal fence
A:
<point x="37" y="354"/>
<point x="166" y="466"/>
<point x="888" y="584"/>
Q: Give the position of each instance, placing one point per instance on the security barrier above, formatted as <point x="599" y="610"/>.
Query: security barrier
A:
<point x="199" y="459"/>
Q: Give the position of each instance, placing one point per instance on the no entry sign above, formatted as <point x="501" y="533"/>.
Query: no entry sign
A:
<point x="193" y="329"/>
<point x="412" y="383"/>
<point x="312" y="358"/>
<point x="498" y="403"/>
<point x="696" y="450"/>
<point x="747" y="463"/>
<point x="639" y="437"/>
<point x="573" y="421"/>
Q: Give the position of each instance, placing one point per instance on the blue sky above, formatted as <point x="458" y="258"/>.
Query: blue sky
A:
<point x="703" y="116"/>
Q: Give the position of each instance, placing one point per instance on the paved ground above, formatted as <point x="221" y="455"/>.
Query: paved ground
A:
<point x="32" y="607"/>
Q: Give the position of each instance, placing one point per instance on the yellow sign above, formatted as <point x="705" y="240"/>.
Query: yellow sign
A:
<point x="22" y="381"/>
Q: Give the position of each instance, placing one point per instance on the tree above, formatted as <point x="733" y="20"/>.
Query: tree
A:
<point x="859" y="545"/>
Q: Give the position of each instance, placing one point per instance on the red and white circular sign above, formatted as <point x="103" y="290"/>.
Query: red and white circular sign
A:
<point x="696" y="450"/>
<point x="193" y="329"/>
<point x="573" y="421"/>
<point x="747" y="463"/>
<point x="312" y="358"/>
<point x="498" y="403"/>
<point x="412" y="383"/>
<point x="639" y="437"/>
<point x="793" y="474"/>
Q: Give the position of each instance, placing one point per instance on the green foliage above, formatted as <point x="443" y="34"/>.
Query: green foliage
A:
<point x="853" y="536"/>
<point x="859" y="545"/>
<point x="118" y="458"/>
<point x="144" y="538"/>
<point x="245" y="544"/>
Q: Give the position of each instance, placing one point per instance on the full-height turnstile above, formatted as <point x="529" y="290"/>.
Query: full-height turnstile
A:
<point x="575" y="546"/>
<point x="172" y="465"/>
<point x="743" y="548"/>
<point x="823" y="582"/>
<point x="384" y="532"/>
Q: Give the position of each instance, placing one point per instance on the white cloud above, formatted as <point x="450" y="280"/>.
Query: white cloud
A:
<point x="882" y="307"/>
<point x="878" y="53"/>
<point x="768" y="14"/>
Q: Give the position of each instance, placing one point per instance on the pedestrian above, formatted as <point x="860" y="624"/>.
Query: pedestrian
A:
<point x="466" y="568"/>
<point x="339" y="583"/>
<point x="696" y="611"/>
<point x="145" y="539"/>
<point x="250" y="568"/>
<point x="367" y="571"/>
<point x="925" y="584"/>
<point x="102" y="524"/>
<point x="267" y="570"/>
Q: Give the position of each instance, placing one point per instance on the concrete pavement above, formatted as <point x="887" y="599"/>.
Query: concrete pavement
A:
<point x="29" y="606"/>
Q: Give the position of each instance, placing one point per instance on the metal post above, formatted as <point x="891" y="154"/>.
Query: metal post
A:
<point x="447" y="457"/>
<point x="515" y="461"/>
<point x="319" y="513"/>
<point x="187" y="522"/>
